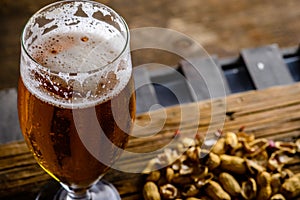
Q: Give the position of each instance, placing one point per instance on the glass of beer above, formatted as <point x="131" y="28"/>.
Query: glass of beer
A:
<point x="76" y="98"/>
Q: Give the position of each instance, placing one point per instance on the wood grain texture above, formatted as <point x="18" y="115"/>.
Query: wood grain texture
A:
<point x="273" y="113"/>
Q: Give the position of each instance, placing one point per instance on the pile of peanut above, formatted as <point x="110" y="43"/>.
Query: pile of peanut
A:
<point x="237" y="166"/>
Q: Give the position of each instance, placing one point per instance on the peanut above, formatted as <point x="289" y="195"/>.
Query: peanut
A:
<point x="233" y="163"/>
<point x="153" y="176"/>
<point x="231" y="140"/>
<point x="150" y="191"/>
<point x="276" y="182"/>
<point x="216" y="192"/>
<point x="190" y="191"/>
<point x="263" y="179"/>
<point x="277" y="197"/>
<point x="249" y="189"/>
<point x="264" y="193"/>
<point x="219" y="147"/>
<point x="264" y="182"/>
<point x="168" y="191"/>
<point x="169" y="174"/>
<point x="178" y="179"/>
<point x="229" y="184"/>
<point x="291" y="187"/>
<point x="213" y="161"/>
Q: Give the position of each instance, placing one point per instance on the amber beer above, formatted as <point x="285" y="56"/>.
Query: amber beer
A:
<point x="56" y="112"/>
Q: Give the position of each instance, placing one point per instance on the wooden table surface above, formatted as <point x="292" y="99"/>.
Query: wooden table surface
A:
<point x="273" y="113"/>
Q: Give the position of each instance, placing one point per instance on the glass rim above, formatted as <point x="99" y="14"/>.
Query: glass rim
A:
<point x="48" y="70"/>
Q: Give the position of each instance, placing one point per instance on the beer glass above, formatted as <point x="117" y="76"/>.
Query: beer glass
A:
<point x="76" y="99"/>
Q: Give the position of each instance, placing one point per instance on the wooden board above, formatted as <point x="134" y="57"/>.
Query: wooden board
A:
<point x="273" y="113"/>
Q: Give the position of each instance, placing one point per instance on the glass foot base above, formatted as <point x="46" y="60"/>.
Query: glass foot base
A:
<point x="100" y="191"/>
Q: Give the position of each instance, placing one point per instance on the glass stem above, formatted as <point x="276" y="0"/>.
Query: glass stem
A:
<point x="75" y="193"/>
<point x="85" y="195"/>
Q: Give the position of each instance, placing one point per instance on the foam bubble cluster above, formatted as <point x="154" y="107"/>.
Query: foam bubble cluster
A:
<point x="75" y="52"/>
<point x="77" y="57"/>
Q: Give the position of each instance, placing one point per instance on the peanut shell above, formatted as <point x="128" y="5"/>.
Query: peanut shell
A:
<point x="213" y="161"/>
<point x="264" y="193"/>
<point x="150" y="191"/>
<point x="277" y="197"/>
<point x="231" y="140"/>
<point x="233" y="164"/>
<point x="230" y="184"/>
<point x="291" y="187"/>
<point x="219" y="147"/>
<point x="216" y="192"/>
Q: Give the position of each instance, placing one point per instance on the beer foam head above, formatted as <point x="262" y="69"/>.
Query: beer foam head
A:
<point x="72" y="58"/>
